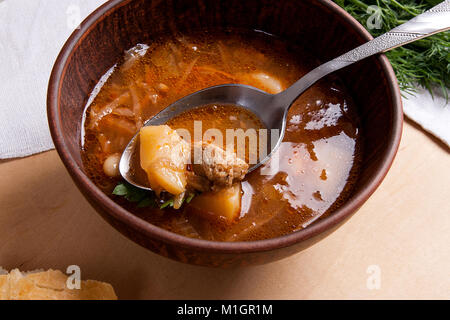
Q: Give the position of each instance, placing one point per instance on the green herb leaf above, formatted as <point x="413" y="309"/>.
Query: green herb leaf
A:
<point x="168" y="203"/>
<point x="143" y="198"/>
<point x="425" y="62"/>
<point x="136" y="196"/>
<point x="120" y="190"/>
<point x="147" y="202"/>
<point x="131" y="193"/>
<point x="190" y="197"/>
<point x="434" y="2"/>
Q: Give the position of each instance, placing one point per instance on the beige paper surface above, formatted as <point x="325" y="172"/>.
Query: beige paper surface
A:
<point x="396" y="246"/>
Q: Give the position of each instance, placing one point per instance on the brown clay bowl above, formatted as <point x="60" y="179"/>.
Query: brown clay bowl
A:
<point x="320" y="24"/>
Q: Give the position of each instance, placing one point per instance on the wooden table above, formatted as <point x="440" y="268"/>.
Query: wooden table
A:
<point x="402" y="234"/>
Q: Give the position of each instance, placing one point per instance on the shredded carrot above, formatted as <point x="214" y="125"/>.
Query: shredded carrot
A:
<point x="209" y="69"/>
<point x="137" y="106"/>
<point x="223" y="54"/>
<point x="187" y="71"/>
<point x="148" y="77"/>
<point x="99" y="113"/>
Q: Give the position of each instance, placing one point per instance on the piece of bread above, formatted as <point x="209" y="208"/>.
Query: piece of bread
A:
<point x="50" y="285"/>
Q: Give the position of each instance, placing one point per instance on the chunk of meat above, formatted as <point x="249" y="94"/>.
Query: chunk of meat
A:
<point x="164" y="156"/>
<point x="196" y="182"/>
<point x="221" y="167"/>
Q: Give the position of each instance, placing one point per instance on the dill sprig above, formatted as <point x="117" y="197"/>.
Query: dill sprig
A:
<point x="425" y="62"/>
<point x="144" y="198"/>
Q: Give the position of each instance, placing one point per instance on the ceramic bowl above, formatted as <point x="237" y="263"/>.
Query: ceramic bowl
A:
<point x="322" y="26"/>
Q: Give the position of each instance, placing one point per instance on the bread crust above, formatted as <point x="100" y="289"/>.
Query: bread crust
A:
<point x="51" y="285"/>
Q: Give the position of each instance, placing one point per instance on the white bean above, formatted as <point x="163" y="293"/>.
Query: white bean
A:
<point x="111" y="165"/>
<point x="161" y="87"/>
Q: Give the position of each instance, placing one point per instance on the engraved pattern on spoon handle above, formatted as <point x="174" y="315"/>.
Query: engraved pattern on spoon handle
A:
<point x="435" y="20"/>
<point x="432" y="21"/>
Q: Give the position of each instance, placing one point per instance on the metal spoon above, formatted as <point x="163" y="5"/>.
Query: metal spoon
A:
<point x="272" y="109"/>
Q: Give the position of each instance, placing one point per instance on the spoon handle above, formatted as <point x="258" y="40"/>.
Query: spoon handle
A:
<point x="435" y="20"/>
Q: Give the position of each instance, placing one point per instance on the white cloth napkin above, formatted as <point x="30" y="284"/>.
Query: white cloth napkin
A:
<point x="432" y="113"/>
<point x="32" y="33"/>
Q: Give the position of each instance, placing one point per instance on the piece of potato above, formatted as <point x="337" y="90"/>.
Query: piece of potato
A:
<point x="224" y="203"/>
<point x="164" y="155"/>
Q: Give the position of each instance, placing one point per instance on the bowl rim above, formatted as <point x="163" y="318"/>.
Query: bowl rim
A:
<point x="154" y="232"/>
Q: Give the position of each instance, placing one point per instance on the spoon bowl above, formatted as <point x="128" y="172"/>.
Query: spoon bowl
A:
<point x="247" y="97"/>
<point x="272" y="109"/>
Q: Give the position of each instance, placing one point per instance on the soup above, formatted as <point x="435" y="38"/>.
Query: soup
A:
<point x="312" y="174"/>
